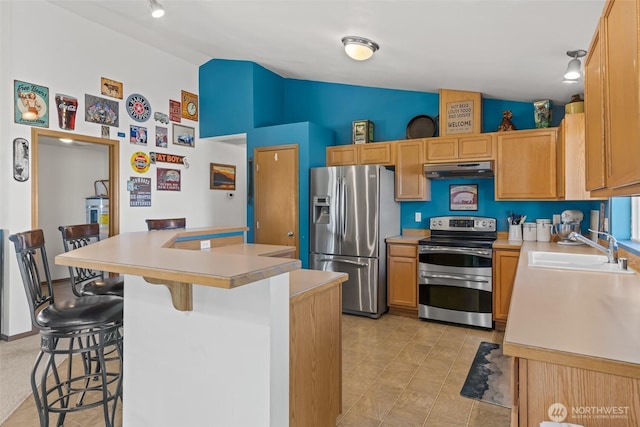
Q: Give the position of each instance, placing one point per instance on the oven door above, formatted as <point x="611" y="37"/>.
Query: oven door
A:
<point x="455" y="284"/>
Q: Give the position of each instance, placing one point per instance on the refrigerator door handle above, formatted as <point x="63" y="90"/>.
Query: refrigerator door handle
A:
<point x="344" y="208"/>
<point x="344" y="261"/>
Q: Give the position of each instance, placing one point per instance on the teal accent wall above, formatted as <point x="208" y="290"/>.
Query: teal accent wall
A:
<point x="487" y="206"/>
<point x="312" y="141"/>
<point x="236" y="96"/>
<point x="621" y="217"/>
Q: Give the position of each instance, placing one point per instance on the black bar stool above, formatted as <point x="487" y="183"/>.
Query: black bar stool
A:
<point x="85" y="281"/>
<point x="166" y="224"/>
<point x="86" y="326"/>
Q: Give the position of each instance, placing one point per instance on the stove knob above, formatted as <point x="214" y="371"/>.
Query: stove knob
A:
<point x="484" y="223"/>
<point x="440" y="223"/>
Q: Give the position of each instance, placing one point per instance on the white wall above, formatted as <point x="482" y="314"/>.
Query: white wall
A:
<point x="69" y="55"/>
<point x="74" y="169"/>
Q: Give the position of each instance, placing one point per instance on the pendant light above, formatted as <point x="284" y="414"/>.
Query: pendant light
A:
<point x="573" y="69"/>
<point x="157" y="11"/>
<point x="359" y="48"/>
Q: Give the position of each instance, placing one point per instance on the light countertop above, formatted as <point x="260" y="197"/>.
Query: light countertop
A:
<point x="146" y="254"/>
<point x="587" y="320"/>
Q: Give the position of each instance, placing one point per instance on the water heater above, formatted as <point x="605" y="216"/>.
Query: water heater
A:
<point x="98" y="212"/>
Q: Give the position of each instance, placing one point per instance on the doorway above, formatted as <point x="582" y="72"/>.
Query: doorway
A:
<point x="276" y="196"/>
<point x="63" y="175"/>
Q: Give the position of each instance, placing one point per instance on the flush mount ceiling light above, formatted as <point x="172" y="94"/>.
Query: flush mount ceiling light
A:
<point x="359" y="48"/>
<point x="157" y="11"/>
<point x="573" y="69"/>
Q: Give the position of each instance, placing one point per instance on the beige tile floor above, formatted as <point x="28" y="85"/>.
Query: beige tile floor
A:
<point x="402" y="372"/>
<point x="397" y="372"/>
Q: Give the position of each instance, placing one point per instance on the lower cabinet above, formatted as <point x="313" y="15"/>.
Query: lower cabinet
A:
<point x="505" y="264"/>
<point x="402" y="278"/>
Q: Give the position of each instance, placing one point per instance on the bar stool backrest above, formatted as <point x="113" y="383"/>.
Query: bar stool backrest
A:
<point x="75" y="237"/>
<point x="166" y="224"/>
<point x="34" y="268"/>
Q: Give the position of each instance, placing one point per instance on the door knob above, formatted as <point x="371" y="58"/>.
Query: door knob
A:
<point x="290" y="233"/>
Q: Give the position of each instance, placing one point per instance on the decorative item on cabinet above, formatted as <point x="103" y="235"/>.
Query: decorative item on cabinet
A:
<point x="506" y="124"/>
<point x="362" y="131"/>
<point x="460" y="112"/>
<point x="542" y="113"/>
<point x="421" y="127"/>
<point x="576" y="105"/>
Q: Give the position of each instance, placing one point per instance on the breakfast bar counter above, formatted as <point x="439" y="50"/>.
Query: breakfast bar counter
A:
<point x="215" y="350"/>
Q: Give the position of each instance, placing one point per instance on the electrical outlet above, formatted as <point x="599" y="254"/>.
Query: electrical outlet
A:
<point x="205" y="244"/>
<point x="418" y="216"/>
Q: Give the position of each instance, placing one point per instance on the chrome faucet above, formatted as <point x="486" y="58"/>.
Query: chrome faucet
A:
<point x="612" y="243"/>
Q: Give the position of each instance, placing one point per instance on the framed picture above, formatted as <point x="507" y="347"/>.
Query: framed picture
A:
<point x="184" y="135"/>
<point x="463" y="197"/>
<point x="223" y="177"/>
<point x="110" y="88"/>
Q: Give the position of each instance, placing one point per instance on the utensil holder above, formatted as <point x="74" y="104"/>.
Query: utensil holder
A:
<point x="515" y="232"/>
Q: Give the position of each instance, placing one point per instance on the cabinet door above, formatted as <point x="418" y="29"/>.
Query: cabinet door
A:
<point x="442" y="149"/>
<point x="476" y="147"/>
<point x="526" y="164"/>
<point x="402" y="272"/>
<point x="594" y="115"/>
<point x="411" y="183"/>
<point x="622" y="130"/>
<point x="505" y="263"/>
<point x="379" y="153"/>
<point x="342" y="155"/>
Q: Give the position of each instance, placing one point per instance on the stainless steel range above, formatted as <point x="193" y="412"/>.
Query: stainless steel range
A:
<point x="454" y="270"/>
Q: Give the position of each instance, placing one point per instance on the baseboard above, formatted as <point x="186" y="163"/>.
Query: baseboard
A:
<point x="18" y="336"/>
<point x="406" y="312"/>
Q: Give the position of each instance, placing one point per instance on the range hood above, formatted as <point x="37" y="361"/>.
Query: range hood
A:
<point x="459" y="170"/>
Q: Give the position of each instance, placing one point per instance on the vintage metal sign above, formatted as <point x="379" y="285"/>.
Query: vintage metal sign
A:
<point x="31" y="104"/>
<point x="168" y="158"/>
<point x="459" y="117"/>
<point x="139" y="191"/>
<point x="140" y="162"/>
<point x="168" y="179"/>
<point x="175" y="112"/>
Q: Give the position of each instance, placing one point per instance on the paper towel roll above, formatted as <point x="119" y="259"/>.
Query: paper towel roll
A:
<point x="594" y="224"/>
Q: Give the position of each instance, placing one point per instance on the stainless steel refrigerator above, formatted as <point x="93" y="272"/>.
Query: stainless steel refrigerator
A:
<point x="352" y="212"/>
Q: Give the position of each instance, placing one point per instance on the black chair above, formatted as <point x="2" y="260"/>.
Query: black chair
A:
<point x="166" y="224"/>
<point x="85" y="281"/>
<point x="86" y="327"/>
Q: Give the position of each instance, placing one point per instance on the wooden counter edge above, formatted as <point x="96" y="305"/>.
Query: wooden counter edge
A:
<point x="315" y="281"/>
<point x="597" y="364"/>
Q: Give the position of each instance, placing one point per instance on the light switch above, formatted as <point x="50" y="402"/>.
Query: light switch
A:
<point x="418" y="216"/>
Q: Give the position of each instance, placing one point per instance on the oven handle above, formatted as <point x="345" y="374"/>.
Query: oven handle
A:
<point x="480" y="284"/>
<point x="486" y="253"/>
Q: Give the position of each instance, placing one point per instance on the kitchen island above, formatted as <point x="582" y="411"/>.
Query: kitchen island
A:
<point x="575" y="336"/>
<point x="215" y="349"/>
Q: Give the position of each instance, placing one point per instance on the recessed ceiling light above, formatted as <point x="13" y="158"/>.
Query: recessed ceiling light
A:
<point x="66" y="140"/>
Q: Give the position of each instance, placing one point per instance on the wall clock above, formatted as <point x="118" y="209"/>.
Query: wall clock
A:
<point x="189" y="105"/>
<point x="138" y="107"/>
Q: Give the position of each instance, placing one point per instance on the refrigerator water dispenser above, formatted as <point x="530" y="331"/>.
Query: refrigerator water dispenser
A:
<point x="321" y="210"/>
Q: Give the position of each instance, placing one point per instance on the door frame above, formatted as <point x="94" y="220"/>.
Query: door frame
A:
<point x="114" y="172"/>
<point x="296" y="149"/>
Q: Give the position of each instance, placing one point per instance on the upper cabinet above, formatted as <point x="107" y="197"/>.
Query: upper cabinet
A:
<point x="526" y="164"/>
<point x="571" y="154"/>
<point x="622" y="100"/>
<point x="411" y="184"/>
<point x="377" y="153"/>
<point x="612" y="101"/>
<point x="594" y="113"/>
<point x="476" y="146"/>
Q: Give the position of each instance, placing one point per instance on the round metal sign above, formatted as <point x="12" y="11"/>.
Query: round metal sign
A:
<point x="138" y="107"/>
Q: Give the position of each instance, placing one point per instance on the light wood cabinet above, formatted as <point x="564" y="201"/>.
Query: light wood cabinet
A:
<point x="411" y="184"/>
<point x="594" y="114"/>
<point x="505" y="264"/>
<point x="477" y="146"/>
<point x="622" y="92"/>
<point x="526" y="164"/>
<point x="571" y="155"/>
<point x="378" y="153"/>
<point x="342" y="155"/>
<point x="402" y="278"/>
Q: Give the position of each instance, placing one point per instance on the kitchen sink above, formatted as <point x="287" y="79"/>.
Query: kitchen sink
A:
<point x="582" y="262"/>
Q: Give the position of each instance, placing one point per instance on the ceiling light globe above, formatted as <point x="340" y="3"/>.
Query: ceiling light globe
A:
<point x="359" y="48"/>
<point x="157" y="11"/>
<point x="573" y="70"/>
